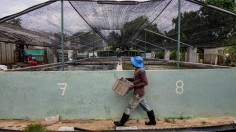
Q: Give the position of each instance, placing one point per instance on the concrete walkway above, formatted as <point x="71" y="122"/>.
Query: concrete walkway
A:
<point x="99" y="125"/>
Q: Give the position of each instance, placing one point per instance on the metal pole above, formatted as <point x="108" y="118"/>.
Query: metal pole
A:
<point x="167" y="37"/>
<point x="139" y="46"/>
<point x="62" y="36"/>
<point x="178" y="54"/>
<point x="145" y="45"/>
<point x="150" y="44"/>
<point x="93" y="43"/>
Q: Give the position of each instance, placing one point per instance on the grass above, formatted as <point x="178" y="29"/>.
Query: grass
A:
<point x="181" y="117"/>
<point x="35" y="128"/>
<point x="203" y="122"/>
<point x="172" y="120"/>
<point x="169" y="120"/>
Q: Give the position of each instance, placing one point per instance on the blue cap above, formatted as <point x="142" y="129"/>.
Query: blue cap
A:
<point x="137" y="61"/>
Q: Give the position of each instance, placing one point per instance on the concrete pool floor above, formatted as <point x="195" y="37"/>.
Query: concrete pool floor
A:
<point x="108" y="124"/>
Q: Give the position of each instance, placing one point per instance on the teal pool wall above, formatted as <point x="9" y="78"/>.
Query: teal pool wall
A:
<point x="89" y="95"/>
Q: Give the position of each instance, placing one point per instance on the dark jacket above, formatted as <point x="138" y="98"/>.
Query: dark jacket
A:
<point x="139" y="81"/>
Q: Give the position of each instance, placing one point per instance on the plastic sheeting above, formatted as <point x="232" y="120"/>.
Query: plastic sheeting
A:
<point x="123" y="24"/>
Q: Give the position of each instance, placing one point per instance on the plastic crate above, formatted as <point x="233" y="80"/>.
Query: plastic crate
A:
<point x="121" y="86"/>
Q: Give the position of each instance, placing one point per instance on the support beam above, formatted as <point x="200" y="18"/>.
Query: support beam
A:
<point x="167" y="55"/>
<point x="89" y="43"/>
<point x="150" y="44"/>
<point x="88" y="22"/>
<point x="51" y="55"/>
<point x="93" y="42"/>
<point x="92" y="48"/>
<point x="179" y="21"/>
<point x="62" y="35"/>
<point x="139" y="46"/>
<point x="153" y="54"/>
<point x="145" y="52"/>
<point x="43" y="45"/>
<point x="192" y="54"/>
<point x="80" y="35"/>
<point x="167" y="37"/>
<point x="4" y="19"/>
<point x="143" y="26"/>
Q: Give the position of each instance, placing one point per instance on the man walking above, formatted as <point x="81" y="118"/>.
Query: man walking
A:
<point x="139" y="81"/>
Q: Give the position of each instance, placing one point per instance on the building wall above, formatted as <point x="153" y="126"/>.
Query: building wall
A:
<point x="214" y="51"/>
<point x="51" y="55"/>
<point x="7" y="53"/>
<point x="89" y="95"/>
<point x="211" y="55"/>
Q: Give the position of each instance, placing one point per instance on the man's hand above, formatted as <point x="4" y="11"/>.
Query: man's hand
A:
<point x="121" y="78"/>
<point x="131" y="86"/>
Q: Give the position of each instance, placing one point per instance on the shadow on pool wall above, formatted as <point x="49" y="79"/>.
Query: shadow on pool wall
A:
<point x="81" y="94"/>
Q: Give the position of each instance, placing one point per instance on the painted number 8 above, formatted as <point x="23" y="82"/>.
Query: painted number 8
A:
<point x="179" y="87"/>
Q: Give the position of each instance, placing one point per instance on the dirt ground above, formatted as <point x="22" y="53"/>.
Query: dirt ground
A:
<point x="108" y="124"/>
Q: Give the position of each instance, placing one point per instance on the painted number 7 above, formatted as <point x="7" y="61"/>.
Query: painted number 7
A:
<point x="62" y="88"/>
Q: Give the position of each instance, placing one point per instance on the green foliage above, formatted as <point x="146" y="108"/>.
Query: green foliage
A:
<point x="229" y="55"/>
<point x="173" y="55"/>
<point x="111" y="47"/>
<point x="131" y="29"/>
<point x="86" y="38"/>
<point x="35" y="128"/>
<point x="231" y="40"/>
<point x="128" y="67"/>
<point x="151" y="37"/>
<point x="160" y="54"/>
<point x="231" y="50"/>
<point x="225" y="4"/>
<point x="233" y="64"/>
<point x="203" y="27"/>
<point x="114" y="38"/>
<point x="169" y="120"/>
<point x="182" y="116"/>
<point x="173" y="119"/>
<point x="203" y="122"/>
<point x="200" y="50"/>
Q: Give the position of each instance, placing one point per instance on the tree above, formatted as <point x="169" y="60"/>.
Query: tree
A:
<point x="114" y="38"/>
<point x="206" y="26"/>
<point x="225" y="4"/>
<point x="159" y="54"/>
<point x="87" y="40"/>
<point x="132" y="29"/>
<point x="229" y="53"/>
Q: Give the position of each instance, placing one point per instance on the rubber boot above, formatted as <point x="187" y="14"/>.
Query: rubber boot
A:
<point x="122" y="121"/>
<point x="152" y="119"/>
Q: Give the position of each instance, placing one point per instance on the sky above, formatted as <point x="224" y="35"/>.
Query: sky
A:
<point x="9" y="7"/>
<point x="48" y="18"/>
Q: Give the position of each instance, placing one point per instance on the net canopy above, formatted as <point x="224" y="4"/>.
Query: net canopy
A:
<point x="91" y="25"/>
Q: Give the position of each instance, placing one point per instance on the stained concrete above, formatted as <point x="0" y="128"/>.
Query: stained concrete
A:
<point x="89" y="95"/>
